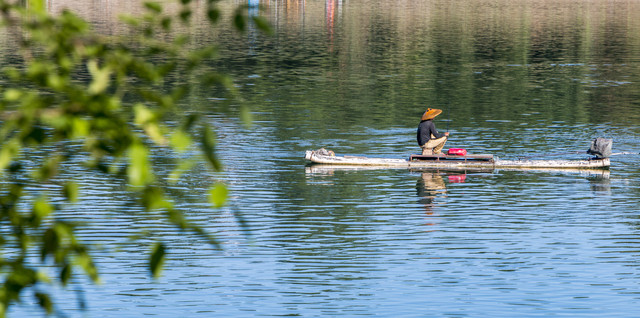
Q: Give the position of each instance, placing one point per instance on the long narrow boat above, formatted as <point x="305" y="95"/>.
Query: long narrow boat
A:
<point x="442" y="161"/>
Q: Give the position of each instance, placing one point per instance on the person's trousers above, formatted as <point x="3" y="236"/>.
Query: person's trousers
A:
<point x="433" y="146"/>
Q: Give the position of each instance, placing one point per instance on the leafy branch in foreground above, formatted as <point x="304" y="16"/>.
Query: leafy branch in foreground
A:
<point x="76" y="93"/>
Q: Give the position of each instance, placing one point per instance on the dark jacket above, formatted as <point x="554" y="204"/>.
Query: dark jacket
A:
<point x="425" y="130"/>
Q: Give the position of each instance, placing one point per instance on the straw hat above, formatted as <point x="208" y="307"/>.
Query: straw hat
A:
<point x="431" y="113"/>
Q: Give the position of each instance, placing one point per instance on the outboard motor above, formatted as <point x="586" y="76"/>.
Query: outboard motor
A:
<point x="601" y="148"/>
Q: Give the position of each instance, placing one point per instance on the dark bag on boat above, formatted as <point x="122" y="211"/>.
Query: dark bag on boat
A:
<point x="601" y="148"/>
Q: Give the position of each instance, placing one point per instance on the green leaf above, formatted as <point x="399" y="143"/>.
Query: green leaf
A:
<point x="157" y="259"/>
<point x="34" y="134"/>
<point x="190" y="120"/>
<point x="180" y="140"/>
<point x="139" y="170"/>
<point x="203" y="234"/>
<point x="79" y="127"/>
<point x="166" y="24"/>
<point x="84" y="260"/>
<point x="56" y="81"/>
<point x="12" y="95"/>
<point x="153" y="7"/>
<point x="262" y="24"/>
<point x="153" y="198"/>
<point x="207" y="143"/>
<point x="45" y="302"/>
<point x="218" y="194"/>
<point x="240" y="20"/>
<point x="65" y="274"/>
<point x="246" y="116"/>
<point x="154" y="131"/>
<point x="195" y="58"/>
<point x="42" y="208"/>
<point x="70" y="191"/>
<point x="37" y="6"/>
<point x="20" y="278"/>
<point x="143" y="115"/>
<point x="183" y="166"/>
<point x="185" y="14"/>
<point x="176" y="218"/>
<point x="49" y="169"/>
<point x="7" y="152"/>
<point x="213" y="14"/>
<point x="50" y="243"/>
<point x="148" y="120"/>
<point x="100" y="77"/>
<point x="241" y="220"/>
<point x="130" y="20"/>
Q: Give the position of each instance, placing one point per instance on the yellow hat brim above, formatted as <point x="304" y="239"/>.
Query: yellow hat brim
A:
<point x="431" y="113"/>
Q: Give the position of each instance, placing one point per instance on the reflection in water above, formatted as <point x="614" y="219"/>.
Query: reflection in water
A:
<point x="457" y="178"/>
<point x="429" y="187"/>
<point x="332" y="8"/>
<point x="600" y="184"/>
<point x="253" y="10"/>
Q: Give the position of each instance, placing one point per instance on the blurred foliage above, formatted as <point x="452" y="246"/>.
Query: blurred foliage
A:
<point x="110" y="95"/>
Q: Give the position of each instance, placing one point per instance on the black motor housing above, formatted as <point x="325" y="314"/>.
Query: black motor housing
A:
<point x="601" y="148"/>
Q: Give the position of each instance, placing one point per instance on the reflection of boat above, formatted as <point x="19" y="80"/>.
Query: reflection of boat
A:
<point x="454" y="162"/>
<point x="326" y="169"/>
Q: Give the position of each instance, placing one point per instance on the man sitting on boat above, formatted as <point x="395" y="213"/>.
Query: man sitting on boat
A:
<point x="429" y="139"/>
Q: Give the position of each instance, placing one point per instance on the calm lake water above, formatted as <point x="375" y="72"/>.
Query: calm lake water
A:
<point x="514" y="78"/>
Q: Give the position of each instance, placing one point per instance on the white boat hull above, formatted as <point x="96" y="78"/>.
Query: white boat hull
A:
<point x="461" y="163"/>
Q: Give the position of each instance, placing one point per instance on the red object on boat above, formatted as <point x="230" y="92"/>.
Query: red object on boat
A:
<point x="457" y="152"/>
<point x="458" y="178"/>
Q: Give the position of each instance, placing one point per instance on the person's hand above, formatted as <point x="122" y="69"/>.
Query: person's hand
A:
<point x="446" y="134"/>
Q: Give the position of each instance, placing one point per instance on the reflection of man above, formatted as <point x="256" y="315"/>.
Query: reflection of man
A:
<point x="428" y="187"/>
